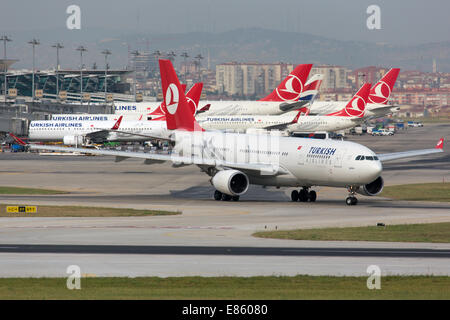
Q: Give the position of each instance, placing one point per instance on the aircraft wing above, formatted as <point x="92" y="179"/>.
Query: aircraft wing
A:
<point x="150" y="137"/>
<point x="98" y="136"/>
<point x="263" y="169"/>
<point x="413" y="153"/>
<point x="383" y="110"/>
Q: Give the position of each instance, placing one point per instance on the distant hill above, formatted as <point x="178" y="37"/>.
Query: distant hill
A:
<point x="251" y="44"/>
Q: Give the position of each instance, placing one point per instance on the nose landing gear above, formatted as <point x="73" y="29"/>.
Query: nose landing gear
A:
<point x="303" y="195"/>
<point x="351" y="199"/>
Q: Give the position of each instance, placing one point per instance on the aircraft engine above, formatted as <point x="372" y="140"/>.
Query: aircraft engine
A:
<point x="231" y="182"/>
<point x="372" y="189"/>
<point x="73" y="140"/>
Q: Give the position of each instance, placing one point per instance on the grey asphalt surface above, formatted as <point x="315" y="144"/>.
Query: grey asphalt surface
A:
<point x="196" y="242"/>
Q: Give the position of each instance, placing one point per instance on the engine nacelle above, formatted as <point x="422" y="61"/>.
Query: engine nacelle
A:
<point x="73" y="140"/>
<point x="372" y="189"/>
<point x="231" y="182"/>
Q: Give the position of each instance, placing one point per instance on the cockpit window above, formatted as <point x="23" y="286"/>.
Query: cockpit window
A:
<point x="369" y="158"/>
<point x="362" y="158"/>
<point x="375" y="158"/>
<point x="358" y="157"/>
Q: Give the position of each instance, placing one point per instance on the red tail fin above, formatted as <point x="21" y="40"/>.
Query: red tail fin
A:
<point x="440" y="144"/>
<point x="292" y="86"/>
<point x="178" y="112"/>
<point x="159" y="110"/>
<point x="357" y="105"/>
<point x="193" y="96"/>
<point x="382" y="89"/>
<point x="117" y="124"/>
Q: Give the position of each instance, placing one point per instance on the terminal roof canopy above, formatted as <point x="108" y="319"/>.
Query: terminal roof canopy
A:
<point x="6" y="63"/>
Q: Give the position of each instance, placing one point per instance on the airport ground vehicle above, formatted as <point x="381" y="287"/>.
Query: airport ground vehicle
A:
<point x="234" y="161"/>
<point x="382" y="132"/>
<point x="414" y="124"/>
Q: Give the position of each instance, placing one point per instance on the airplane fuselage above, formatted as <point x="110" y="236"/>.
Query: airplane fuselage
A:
<point x="306" y="162"/>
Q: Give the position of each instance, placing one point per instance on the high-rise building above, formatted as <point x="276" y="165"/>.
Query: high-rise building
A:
<point x="248" y="79"/>
<point x="334" y="77"/>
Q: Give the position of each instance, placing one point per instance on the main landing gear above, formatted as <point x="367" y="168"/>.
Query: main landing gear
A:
<point x="224" y="197"/>
<point x="351" y="199"/>
<point x="303" y="195"/>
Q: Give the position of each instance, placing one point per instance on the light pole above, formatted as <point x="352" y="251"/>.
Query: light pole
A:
<point x="171" y="56"/>
<point x="106" y="52"/>
<point x="135" y="53"/>
<point x="57" y="46"/>
<point x="81" y="49"/>
<point x="34" y="43"/>
<point x="185" y="56"/>
<point x="5" y="39"/>
<point x="199" y="58"/>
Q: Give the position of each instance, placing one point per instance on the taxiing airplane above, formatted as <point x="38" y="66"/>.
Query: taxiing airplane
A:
<point x="234" y="161"/>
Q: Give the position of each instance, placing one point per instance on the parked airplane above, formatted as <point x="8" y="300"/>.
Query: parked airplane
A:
<point x="127" y="116"/>
<point x="284" y="98"/>
<point x="234" y="161"/>
<point x="350" y="116"/>
<point x="87" y="129"/>
<point x="378" y="99"/>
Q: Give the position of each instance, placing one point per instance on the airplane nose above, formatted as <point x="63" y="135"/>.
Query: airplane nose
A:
<point x="376" y="168"/>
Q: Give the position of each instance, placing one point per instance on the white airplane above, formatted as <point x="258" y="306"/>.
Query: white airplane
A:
<point x="350" y="116"/>
<point x="286" y="97"/>
<point x="234" y="161"/>
<point x="87" y="129"/>
<point x="378" y="99"/>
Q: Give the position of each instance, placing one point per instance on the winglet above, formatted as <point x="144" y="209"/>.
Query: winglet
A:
<point x="440" y="144"/>
<point x="17" y="139"/>
<point x="303" y="111"/>
<point x="117" y="124"/>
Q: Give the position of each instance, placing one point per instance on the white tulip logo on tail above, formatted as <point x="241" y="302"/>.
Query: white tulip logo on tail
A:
<point x="382" y="93"/>
<point x="293" y="87"/>
<point x="192" y="104"/>
<point x="356" y="108"/>
<point x="172" y="98"/>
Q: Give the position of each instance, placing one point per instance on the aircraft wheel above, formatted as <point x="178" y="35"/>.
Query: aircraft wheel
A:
<point x="351" y="201"/>
<point x="217" y="195"/>
<point x="312" y="196"/>
<point x="235" y="198"/>
<point x="303" y="195"/>
<point x="226" y="197"/>
<point x="294" y="195"/>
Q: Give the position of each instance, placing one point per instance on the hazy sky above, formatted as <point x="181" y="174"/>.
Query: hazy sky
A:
<point x="402" y="21"/>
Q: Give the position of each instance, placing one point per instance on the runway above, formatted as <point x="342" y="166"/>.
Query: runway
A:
<point x="199" y="241"/>
<point x="227" y="251"/>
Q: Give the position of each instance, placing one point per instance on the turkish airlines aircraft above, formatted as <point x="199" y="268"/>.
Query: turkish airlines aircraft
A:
<point x="378" y="99"/>
<point x="286" y="97"/>
<point x="350" y="116"/>
<point x="87" y="129"/>
<point x="234" y="161"/>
